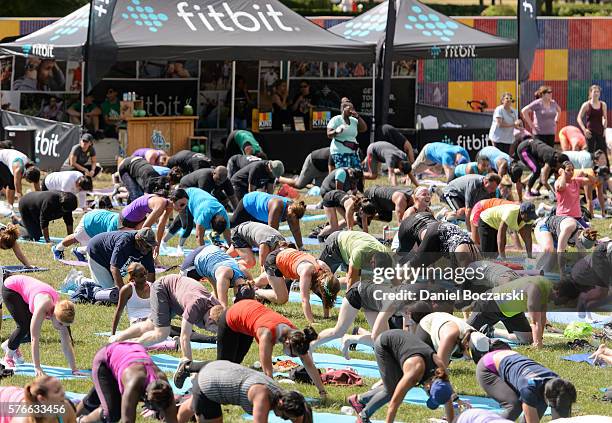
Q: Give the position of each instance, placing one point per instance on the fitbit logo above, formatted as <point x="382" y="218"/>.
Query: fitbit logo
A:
<point x="46" y="146"/>
<point x="447" y="140"/>
<point x="40" y="50"/>
<point x="460" y="51"/>
<point x="473" y="142"/>
<point x="213" y="19"/>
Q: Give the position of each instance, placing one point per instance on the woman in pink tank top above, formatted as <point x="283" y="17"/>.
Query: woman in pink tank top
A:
<point x="123" y="375"/>
<point x="30" y="302"/>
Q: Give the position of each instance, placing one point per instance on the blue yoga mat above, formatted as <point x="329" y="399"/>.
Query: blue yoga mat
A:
<point x="7" y="317"/>
<point x="317" y="417"/>
<point x="295" y="297"/>
<point x="62" y="373"/>
<point x="567" y="317"/>
<point x="54" y="240"/>
<point x="75" y="397"/>
<point x="337" y="344"/>
<point x="418" y="396"/>
<point x="194" y="345"/>
<point x="580" y="358"/>
<point x="166" y="251"/>
<point x="305" y="240"/>
<point x="306" y="218"/>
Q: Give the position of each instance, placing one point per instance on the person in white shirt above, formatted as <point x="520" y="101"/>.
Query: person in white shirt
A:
<point x="14" y="166"/>
<point x="69" y="181"/>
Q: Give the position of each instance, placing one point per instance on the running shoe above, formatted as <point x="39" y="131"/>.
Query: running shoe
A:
<point x="79" y="255"/>
<point x="8" y="362"/>
<point x="18" y="357"/>
<point x="353" y="401"/>
<point x="181" y="373"/>
<point x="57" y="254"/>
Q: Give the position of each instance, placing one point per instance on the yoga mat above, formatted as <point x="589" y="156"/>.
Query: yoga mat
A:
<point x="75" y="397"/>
<point x="418" y="396"/>
<point x="171" y="251"/>
<point x="54" y="240"/>
<point x="7" y="317"/>
<point x="306" y="218"/>
<point x="567" y="317"/>
<point x="63" y="373"/>
<point x="337" y="344"/>
<point x="366" y="368"/>
<point x="102" y="191"/>
<point x="295" y="297"/>
<point x="194" y="345"/>
<point x="305" y="240"/>
<point x="317" y="417"/>
<point x="20" y="268"/>
<point x="580" y="358"/>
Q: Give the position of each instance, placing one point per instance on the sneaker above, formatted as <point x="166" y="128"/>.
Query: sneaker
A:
<point x="488" y="330"/>
<point x="353" y="401"/>
<point x="57" y="254"/>
<point x="18" y="357"/>
<point x="8" y="362"/>
<point x="181" y="373"/>
<point x="541" y="210"/>
<point x="79" y="255"/>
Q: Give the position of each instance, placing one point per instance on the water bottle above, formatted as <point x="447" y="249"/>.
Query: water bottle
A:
<point x="419" y="122"/>
<point x="124" y="96"/>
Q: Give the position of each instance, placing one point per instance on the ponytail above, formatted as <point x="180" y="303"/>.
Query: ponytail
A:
<point x="9" y="236"/>
<point x="297" y="209"/>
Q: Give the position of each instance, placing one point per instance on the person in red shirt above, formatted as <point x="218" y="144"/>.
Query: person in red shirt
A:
<point x="248" y="319"/>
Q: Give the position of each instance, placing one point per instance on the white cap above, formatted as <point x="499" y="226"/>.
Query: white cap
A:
<point x="479" y="342"/>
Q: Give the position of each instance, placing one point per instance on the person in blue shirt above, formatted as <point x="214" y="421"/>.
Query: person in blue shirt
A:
<point x="481" y="166"/>
<point x="342" y="130"/>
<point x="258" y="206"/>
<point x="503" y="164"/>
<point x="522" y="386"/>
<point x="205" y="212"/>
<point x="440" y="156"/>
<point x="214" y="264"/>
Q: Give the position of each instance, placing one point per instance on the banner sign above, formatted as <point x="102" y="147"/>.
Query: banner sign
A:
<point x="472" y="139"/>
<point x="528" y="36"/>
<point x="53" y="140"/>
<point x="265" y="121"/>
<point x="166" y="98"/>
<point x="320" y="119"/>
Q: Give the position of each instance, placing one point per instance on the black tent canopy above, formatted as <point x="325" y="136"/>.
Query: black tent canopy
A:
<point x="204" y="29"/>
<point x="423" y="33"/>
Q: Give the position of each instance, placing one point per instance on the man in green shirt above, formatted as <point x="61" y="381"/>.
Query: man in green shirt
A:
<point x="242" y="142"/>
<point x="91" y="113"/>
<point x="111" y="111"/>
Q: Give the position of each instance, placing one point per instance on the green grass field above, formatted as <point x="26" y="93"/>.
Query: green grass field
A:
<point x="90" y="319"/>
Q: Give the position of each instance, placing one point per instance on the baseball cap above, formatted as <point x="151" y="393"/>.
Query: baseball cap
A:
<point x="277" y="167"/>
<point x="147" y="235"/>
<point x="439" y="393"/>
<point x="87" y="137"/>
<point x="478" y="344"/>
<point x="528" y="208"/>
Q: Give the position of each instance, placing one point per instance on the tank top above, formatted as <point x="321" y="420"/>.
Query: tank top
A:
<point x="225" y="382"/>
<point x="512" y="307"/>
<point x="256" y="203"/>
<point x="432" y="323"/>
<point x="10" y="395"/>
<point x="247" y="316"/>
<point x="138" y="308"/>
<point x="29" y="288"/>
<point x="593" y="119"/>
<point x="121" y="355"/>
<point x="289" y="259"/>
<point x="9" y="156"/>
<point x="138" y="209"/>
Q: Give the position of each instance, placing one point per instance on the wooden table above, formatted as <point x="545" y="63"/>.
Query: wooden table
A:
<point x="175" y="129"/>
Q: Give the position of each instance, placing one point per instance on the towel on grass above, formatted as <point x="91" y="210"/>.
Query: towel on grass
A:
<point x="567" y="317"/>
<point x="581" y="358"/>
<point x="337" y="344"/>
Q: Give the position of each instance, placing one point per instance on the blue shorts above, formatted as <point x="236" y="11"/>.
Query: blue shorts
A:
<point x="346" y="160"/>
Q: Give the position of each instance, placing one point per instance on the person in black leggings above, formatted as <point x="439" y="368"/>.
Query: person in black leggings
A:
<point x="139" y="177"/>
<point x="412" y="229"/>
<point x="542" y="160"/>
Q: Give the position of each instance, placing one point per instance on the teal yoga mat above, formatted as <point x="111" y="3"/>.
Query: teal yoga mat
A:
<point x="168" y="364"/>
<point x="567" y="317"/>
<point x="337" y="344"/>
<point x="295" y="297"/>
<point x="194" y="345"/>
<point x="62" y="373"/>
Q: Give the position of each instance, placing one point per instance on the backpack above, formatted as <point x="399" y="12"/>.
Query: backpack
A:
<point x="299" y="374"/>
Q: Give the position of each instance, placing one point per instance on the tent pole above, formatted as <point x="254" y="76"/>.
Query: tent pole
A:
<point x="518" y="87"/>
<point x="373" y="129"/>
<point x="233" y="95"/>
<point x="387" y="61"/>
<point x="82" y="95"/>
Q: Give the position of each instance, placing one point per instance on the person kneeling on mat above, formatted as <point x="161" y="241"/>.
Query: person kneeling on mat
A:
<point x="39" y="209"/>
<point x="394" y="158"/>
<point x="249" y="235"/>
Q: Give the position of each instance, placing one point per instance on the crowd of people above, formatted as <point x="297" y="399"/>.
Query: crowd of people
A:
<point x="414" y="341"/>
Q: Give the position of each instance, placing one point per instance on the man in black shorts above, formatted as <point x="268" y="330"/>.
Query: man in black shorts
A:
<point x="213" y="181"/>
<point x="315" y="169"/>
<point x="238" y="161"/>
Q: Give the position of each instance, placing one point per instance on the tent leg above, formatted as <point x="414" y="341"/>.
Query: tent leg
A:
<point x="518" y="86"/>
<point x="233" y="96"/>
<point x="82" y="96"/>
<point x="373" y="129"/>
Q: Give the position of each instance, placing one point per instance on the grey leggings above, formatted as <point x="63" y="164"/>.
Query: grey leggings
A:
<point x="391" y="373"/>
<point x="500" y="391"/>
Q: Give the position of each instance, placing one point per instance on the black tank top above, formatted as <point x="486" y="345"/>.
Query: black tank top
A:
<point x="410" y="228"/>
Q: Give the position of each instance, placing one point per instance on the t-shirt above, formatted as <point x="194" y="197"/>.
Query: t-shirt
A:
<point x="247" y="316"/>
<point x="111" y="109"/>
<point x="467" y="190"/>
<point x="543" y="117"/>
<point x="46" y="207"/>
<point x="433" y="322"/>
<point x="411" y="227"/>
<point x="568" y="200"/>
<point x="443" y="153"/>
<point x="462" y="169"/>
<point x="118" y="249"/>
<point x="189" y="299"/>
<point x="349" y="134"/>
<point x="499" y="134"/>
<point x="9" y="156"/>
<point x="204" y="207"/>
<point x="357" y="248"/>
<point x="28" y="288"/>
<point x="475" y="415"/>
<point x="403" y="345"/>
<point x="511" y="307"/>
<point x="256" y="233"/>
<point x="210" y="258"/>
<point x="256" y="173"/>
<point x="494" y="154"/>
<point x="99" y="221"/>
<point x="580" y="159"/>
<point x="526" y="377"/>
<point x="257" y="204"/>
<point x="238" y="161"/>
<point x="66" y="181"/>
<point x="382" y="196"/>
<point x="189" y="161"/>
<point x="320" y="159"/>
<point x="507" y="213"/>
<point x="289" y="259"/>
<point x="243" y="137"/>
<point x="340" y="175"/>
<point x="203" y="179"/>
<point x="335" y="198"/>
<point x="82" y="157"/>
<point x="386" y="152"/>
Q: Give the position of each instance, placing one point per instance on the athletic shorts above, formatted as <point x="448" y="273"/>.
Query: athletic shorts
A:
<point x="331" y="253"/>
<point x="81" y="235"/>
<point x="353" y="297"/>
<point x="161" y="313"/>
<point x="334" y="198"/>
<point x="270" y="266"/>
<point x="455" y="203"/>
<point x="488" y="313"/>
<point x="6" y="177"/>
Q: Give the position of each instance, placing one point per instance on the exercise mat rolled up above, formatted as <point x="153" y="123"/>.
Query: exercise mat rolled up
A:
<point x="108" y="295"/>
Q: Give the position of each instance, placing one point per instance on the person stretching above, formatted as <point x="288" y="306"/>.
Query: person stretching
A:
<point x="523" y="386"/>
<point x="39" y="209"/>
<point x="188" y="161"/>
<point x="14" y="167"/>
<point x="214" y="181"/>
<point x="567" y="190"/>
<point x="314" y="170"/>
<point x="30" y="302"/>
<point x="69" y="181"/>
<point x="389" y="200"/>
<point x="344" y="178"/>
<point x="481" y="206"/>
<point x="248" y="319"/>
<point x="572" y="139"/>
<point x="542" y="160"/>
<point x="9" y="234"/>
<point x="495" y="222"/>
<point x="249" y="235"/>
<point x="440" y="156"/>
<point x="152" y="156"/>
<point x="123" y="375"/>
<point x="351" y="208"/>
<point x="170" y="296"/>
<point x="394" y="158"/>
<point x="270" y="209"/>
<point x="503" y="164"/>
<point x="312" y="274"/>
<point x="404" y="362"/>
<point x="258" y="175"/>
<point x="139" y="177"/>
